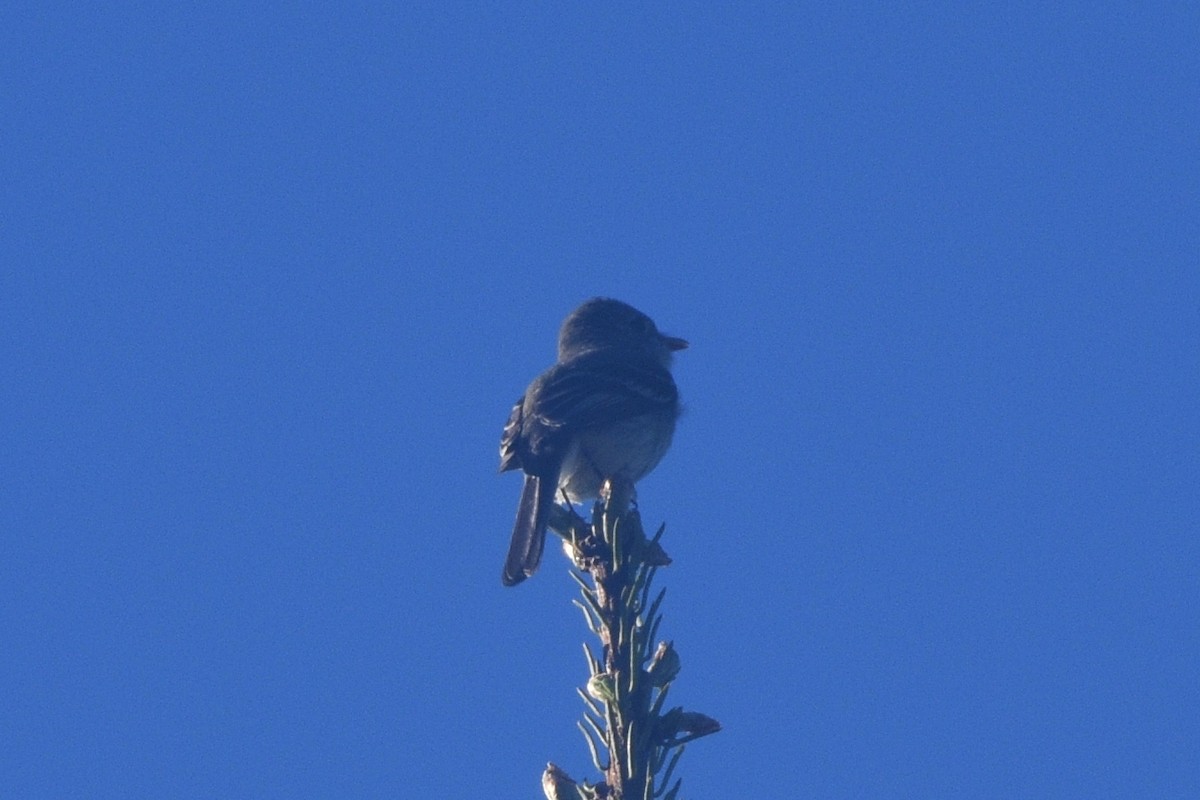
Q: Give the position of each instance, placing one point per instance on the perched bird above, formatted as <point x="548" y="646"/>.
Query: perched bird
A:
<point x="606" y="409"/>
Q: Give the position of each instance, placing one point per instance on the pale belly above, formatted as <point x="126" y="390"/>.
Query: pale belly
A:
<point x="628" y="450"/>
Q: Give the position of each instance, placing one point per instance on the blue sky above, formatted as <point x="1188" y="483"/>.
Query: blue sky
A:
<point x="272" y="279"/>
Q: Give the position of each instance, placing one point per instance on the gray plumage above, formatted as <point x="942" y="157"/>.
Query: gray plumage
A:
<point x="606" y="409"/>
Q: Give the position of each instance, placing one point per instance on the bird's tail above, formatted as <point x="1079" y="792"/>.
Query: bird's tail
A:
<point x="529" y="531"/>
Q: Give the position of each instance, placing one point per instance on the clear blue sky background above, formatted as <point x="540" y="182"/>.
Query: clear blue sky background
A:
<point x="271" y="280"/>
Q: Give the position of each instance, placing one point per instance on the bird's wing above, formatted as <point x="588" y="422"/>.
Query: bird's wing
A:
<point x="510" y="457"/>
<point x="592" y="391"/>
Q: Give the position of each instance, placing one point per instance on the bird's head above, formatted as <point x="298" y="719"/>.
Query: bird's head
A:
<point x="602" y="323"/>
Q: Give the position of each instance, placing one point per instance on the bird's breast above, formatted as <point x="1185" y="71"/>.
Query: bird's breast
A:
<point x="629" y="449"/>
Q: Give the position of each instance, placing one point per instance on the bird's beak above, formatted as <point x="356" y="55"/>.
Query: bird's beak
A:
<point x="675" y="343"/>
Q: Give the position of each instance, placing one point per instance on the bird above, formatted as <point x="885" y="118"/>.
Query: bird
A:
<point x="605" y="410"/>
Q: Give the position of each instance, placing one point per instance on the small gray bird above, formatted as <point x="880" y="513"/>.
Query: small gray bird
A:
<point x="607" y="409"/>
